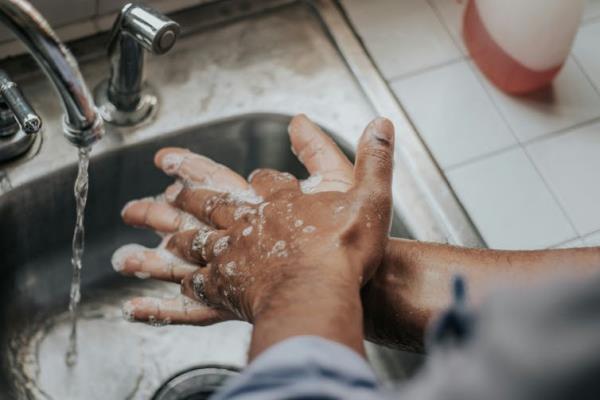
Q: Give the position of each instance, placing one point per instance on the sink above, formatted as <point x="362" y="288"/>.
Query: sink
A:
<point x="117" y="359"/>
<point x="226" y="90"/>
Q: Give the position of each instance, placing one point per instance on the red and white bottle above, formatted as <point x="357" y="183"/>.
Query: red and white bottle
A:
<point x="520" y="45"/>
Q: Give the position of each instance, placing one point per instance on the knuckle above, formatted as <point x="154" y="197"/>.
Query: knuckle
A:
<point x="382" y="155"/>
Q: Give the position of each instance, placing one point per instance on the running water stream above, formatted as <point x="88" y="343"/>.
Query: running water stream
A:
<point x="81" y="193"/>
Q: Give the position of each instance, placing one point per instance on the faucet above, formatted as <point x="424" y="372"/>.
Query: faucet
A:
<point x="82" y="124"/>
<point x="124" y="98"/>
<point x="18" y="121"/>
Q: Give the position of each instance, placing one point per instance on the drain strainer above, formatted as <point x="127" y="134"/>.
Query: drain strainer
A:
<point x="198" y="383"/>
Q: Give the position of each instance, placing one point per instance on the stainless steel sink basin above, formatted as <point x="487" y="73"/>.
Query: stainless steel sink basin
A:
<point x="117" y="359"/>
<point x="226" y="90"/>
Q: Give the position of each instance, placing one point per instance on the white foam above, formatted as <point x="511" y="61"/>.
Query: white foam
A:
<point x="124" y="252"/>
<point x="309" y="185"/>
<point x="142" y="274"/>
<point x="278" y="249"/>
<point x="298" y="223"/>
<point x="247" y="231"/>
<point x="221" y="245"/>
<point x="243" y="210"/>
<point x="171" y="162"/>
<point x="128" y="310"/>
<point x="230" y="268"/>
<point x="309" y="229"/>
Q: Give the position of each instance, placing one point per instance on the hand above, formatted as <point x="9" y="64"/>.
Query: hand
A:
<point x="353" y="207"/>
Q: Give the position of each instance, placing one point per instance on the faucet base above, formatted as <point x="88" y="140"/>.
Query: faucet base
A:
<point x="13" y="146"/>
<point x="145" y="109"/>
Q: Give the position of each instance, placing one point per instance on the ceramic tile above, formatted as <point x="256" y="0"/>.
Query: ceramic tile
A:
<point x="453" y="114"/>
<point x="451" y="13"/>
<point x="569" y="101"/>
<point x="591" y="10"/>
<point x="593" y="239"/>
<point x="586" y="51"/>
<point x="509" y="203"/>
<point x="570" y="164"/>
<point x="577" y="242"/>
<point x="402" y="36"/>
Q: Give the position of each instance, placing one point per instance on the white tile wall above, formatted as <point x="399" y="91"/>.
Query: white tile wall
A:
<point x="455" y="117"/>
<point x="402" y="36"/>
<point x="527" y="169"/>
<point x="569" y="101"/>
<point x="509" y="203"/>
<point x="570" y="164"/>
<point x="587" y="51"/>
<point x="451" y="13"/>
<point x="572" y="243"/>
<point x="592" y="10"/>
<point x="593" y="240"/>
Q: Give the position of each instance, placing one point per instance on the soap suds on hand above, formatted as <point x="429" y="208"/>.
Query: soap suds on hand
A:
<point x="310" y="185"/>
<point x="221" y="245"/>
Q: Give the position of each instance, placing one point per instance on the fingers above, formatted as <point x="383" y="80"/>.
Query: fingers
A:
<point x="217" y="209"/>
<point x="195" y="286"/>
<point x="158" y="216"/>
<point x="199" y="246"/>
<point x="267" y="181"/>
<point x="198" y="169"/>
<point x="139" y="261"/>
<point x="374" y="160"/>
<point x="178" y="310"/>
<point x="320" y="155"/>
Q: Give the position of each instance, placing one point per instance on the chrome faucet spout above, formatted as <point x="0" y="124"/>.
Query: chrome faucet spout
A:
<point x="82" y="124"/>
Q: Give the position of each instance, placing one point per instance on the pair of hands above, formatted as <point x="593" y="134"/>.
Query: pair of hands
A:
<point x="242" y="248"/>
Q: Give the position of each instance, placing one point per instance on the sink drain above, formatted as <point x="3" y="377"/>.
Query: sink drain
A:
<point x="198" y="383"/>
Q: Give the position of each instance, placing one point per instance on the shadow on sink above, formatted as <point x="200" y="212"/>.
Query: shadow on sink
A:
<point x="117" y="359"/>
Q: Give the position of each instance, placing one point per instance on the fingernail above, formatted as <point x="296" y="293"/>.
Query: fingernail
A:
<point x="171" y="162"/>
<point x="120" y="256"/>
<point x="173" y="191"/>
<point x="382" y="129"/>
<point x="126" y="206"/>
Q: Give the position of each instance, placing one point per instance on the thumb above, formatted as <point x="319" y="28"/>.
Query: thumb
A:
<point x="375" y="159"/>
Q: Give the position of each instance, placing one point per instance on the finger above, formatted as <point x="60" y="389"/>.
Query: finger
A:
<point x="158" y="216"/>
<point x="320" y="155"/>
<point x="197" y="286"/>
<point x="199" y="246"/>
<point x="178" y="310"/>
<point x="374" y="161"/>
<point x="139" y="261"/>
<point x="267" y="181"/>
<point x="198" y="169"/>
<point x="217" y="209"/>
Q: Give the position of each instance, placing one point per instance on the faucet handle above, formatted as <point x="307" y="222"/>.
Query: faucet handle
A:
<point x="125" y="99"/>
<point x="22" y="111"/>
<point x="153" y="30"/>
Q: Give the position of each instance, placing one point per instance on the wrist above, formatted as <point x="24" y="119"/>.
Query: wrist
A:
<point x="393" y="315"/>
<point x="326" y="306"/>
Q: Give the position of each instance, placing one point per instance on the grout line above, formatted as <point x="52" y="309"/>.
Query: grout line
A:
<point x="584" y="72"/>
<point x="552" y="193"/>
<point x="560" y="132"/>
<point x="423" y="70"/>
<point x="439" y="16"/>
<point x="557" y="245"/>
<point x="524" y="149"/>
<point x="475" y="159"/>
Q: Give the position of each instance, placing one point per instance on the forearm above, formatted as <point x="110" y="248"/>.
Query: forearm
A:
<point x="328" y="308"/>
<point x="414" y="281"/>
